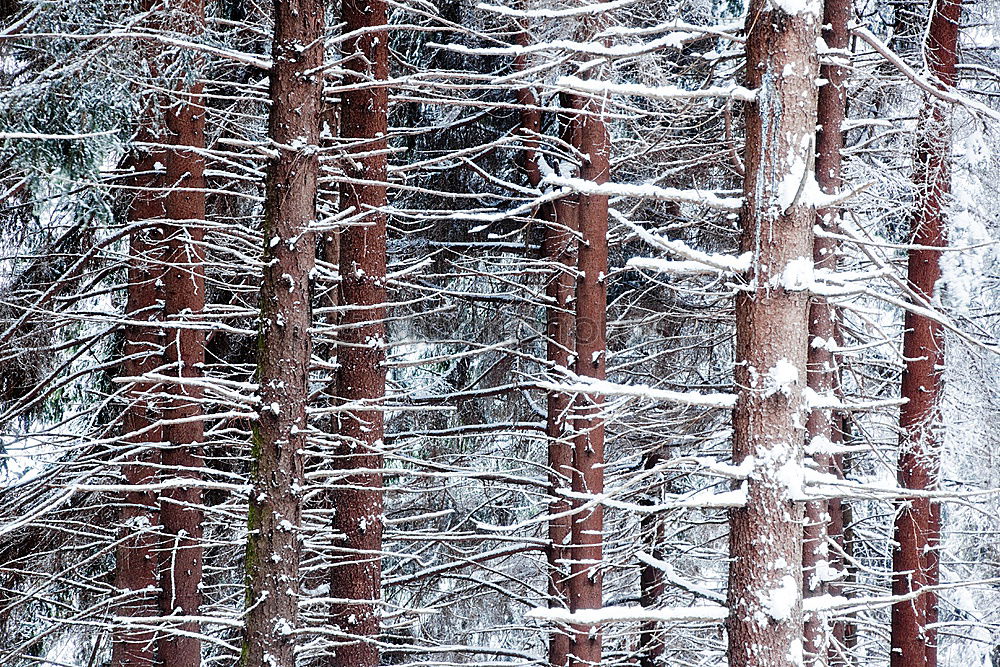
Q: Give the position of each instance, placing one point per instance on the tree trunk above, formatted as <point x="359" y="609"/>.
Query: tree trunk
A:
<point x="284" y="343"/>
<point x="136" y="557"/>
<point x="559" y="248"/>
<point x="184" y="304"/>
<point x="823" y="377"/>
<point x="586" y="547"/>
<point x="356" y="573"/>
<point x="765" y="576"/>
<point x="915" y="561"/>
<point x="651" y="581"/>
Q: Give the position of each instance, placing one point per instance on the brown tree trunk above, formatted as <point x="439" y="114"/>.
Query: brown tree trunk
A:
<point x="136" y="557"/>
<point x="559" y="248"/>
<point x="915" y="561"/>
<point x="586" y="546"/>
<point x="765" y="576"/>
<point x="530" y="116"/>
<point x="184" y="352"/>
<point x="284" y="343"/>
<point x="356" y="575"/>
<point x="823" y="378"/>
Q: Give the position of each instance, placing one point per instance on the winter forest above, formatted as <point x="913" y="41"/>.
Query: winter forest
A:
<point x="562" y="333"/>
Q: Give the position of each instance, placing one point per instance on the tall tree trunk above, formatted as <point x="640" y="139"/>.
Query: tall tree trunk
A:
<point x="356" y="574"/>
<point x="651" y="580"/>
<point x="823" y="377"/>
<point x="915" y="560"/>
<point x="136" y="557"/>
<point x="284" y="343"/>
<point x="765" y="576"/>
<point x="559" y="248"/>
<point x="586" y="546"/>
<point x="184" y="304"/>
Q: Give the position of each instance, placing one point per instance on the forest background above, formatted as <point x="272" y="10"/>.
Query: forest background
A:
<point x="397" y="331"/>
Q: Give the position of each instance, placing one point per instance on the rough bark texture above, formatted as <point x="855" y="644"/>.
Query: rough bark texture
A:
<point x="915" y="562"/>
<point x="284" y="343"/>
<point x="184" y="303"/>
<point x="357" y="567"/>
<point x="651" y="581"/>
<point x="560" y="250"/>
<point x="822" y="426"/>
<point x="136" y="557"/>
<point x="586" y="547"/>
<point x="765" y="576"/>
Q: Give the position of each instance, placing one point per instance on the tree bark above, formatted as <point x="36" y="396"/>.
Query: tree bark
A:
<point x="765" y="576"/>
<point x="356" y="573"/>
<point x="559" y="248"/>
<point x="915" y="560"/>
<point x="284" y="343"/>
<point x="184" y="304"/>
<point x="651" y="581"/>
<point x="136" y="557"/>
<point x="822" y="426"/>
<point x="586" y="547"/>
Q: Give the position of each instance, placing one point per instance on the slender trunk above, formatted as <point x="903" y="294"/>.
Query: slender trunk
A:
<point x="356" y="574"/>
<point x="848" y="539"/>
<point x="651" y="581"/>
<point x="915" y="562"/>
<point x="559" y="249"/>
<point x="184" y="303"/>
<point x="284" y="346"/>
<point x="136" y="557"/>
<point x="823" y="376"/>
<point x="530" y="116"/>
<point x="765" y="576"/>
<point x="586" y="578"/>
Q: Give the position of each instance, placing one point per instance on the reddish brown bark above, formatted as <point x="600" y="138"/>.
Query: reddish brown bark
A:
<point x="586" y="546"/>
<point x="822" y="428"/>
<point x="765" y="576"/>
<point x="136" y="557"/>
<point x="284" y="341"/>
<point x="530" y="116"/>
<point x="915" y="562"/>
<point x="560" y="249"/>
<point x="357" y="568"/>
<point x="184" y="352"/>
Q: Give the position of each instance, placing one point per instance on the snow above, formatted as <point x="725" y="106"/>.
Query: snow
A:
<point x="646" y="191"/>
<point x="781" y="378"/>
<point x="779" y="603"/>
<point x="670" y="267"/>
<point x="590" y="386"/>
<point x="710" y="614"/>
<point x="790" y="477"/>
<point x="582" y="10"/>
<point x="597" y="87"/>
<point x="671" y="575"/>
<point x="797" y="276"/>
<point x="798" y="7"/>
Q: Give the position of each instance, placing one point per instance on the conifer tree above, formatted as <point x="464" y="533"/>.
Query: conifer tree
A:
<point x="284" y="349"/>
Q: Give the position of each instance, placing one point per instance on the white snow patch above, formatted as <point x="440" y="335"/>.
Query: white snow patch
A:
<point x="708" y="613"/>
<point x="779" y="603"/>
<point x="780" y="378"/>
